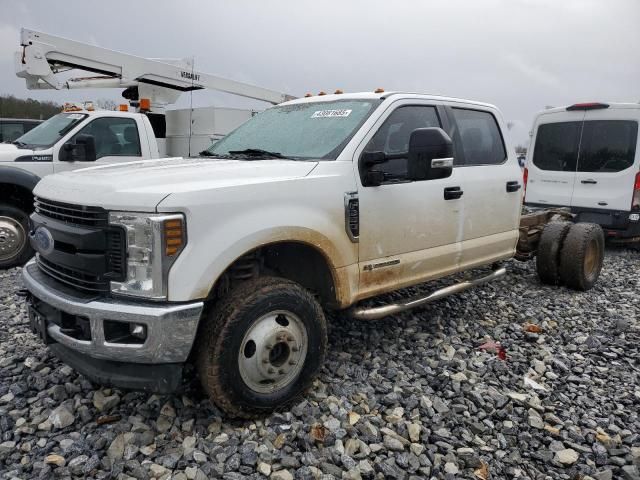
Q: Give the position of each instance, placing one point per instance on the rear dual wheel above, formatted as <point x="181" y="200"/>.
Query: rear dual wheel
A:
<point x="261" y="346"/>
<point x="582" y="256"/>
<point x="570" y="254"/>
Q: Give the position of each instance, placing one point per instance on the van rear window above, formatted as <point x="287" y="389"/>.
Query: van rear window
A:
<point x="591" y="146"/>
<point x="556" y="146"/>
<point x="607" y="145"/>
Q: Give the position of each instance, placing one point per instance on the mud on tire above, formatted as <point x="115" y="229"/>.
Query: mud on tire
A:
<point x="548" y="256"/>
<point x="581" y="256"/>
<point x="261" y="346"/>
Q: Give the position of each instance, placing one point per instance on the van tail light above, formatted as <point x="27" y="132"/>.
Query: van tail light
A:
<point x="525" y="178"/>
<point x="635" y="203"/>
<point x="587" y="106"/>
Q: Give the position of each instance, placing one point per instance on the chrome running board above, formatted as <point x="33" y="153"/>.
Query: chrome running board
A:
<point x="375" y="313"/>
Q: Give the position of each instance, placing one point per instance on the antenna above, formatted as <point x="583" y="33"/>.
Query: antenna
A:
<point x="193" y="61"/>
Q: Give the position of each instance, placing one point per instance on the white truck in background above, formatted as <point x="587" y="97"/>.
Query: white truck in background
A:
<point x="82" y="137"/>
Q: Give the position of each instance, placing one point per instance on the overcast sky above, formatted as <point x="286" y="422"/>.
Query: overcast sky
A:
<point x="517" y="54"/>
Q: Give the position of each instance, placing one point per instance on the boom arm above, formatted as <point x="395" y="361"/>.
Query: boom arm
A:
<point x="43" y="56"/>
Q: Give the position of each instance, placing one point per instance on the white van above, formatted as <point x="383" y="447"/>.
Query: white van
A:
<point x="586" y="157"/>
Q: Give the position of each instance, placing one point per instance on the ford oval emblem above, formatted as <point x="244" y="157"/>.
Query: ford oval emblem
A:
<point x="43" y="240"/>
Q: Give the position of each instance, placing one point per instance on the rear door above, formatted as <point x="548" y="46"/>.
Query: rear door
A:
<point x="491" y="181"/>
<point x="607" y="163"/>
<point x="553" y="159"/>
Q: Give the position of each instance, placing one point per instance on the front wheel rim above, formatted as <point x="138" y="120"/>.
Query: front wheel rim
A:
<point x="12" y="238"/>
<point x="273" y="351"/>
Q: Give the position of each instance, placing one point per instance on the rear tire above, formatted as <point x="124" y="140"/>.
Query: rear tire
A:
<point x="582" y="256"/>
<point x="548" y="257"/>
<point x="15" y="249"/>
<point x="261" y="346"/>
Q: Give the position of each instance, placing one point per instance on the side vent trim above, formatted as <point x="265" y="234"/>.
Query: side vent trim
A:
<point x="352" y="216"/>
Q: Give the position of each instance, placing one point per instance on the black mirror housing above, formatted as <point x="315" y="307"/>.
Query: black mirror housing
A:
<point x="83" y="150"/>
<point x="425" y="146"/>
<point x="372" y="158"/>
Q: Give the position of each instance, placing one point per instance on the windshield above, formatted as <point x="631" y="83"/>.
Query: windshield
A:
<point x="49" y="132"/>
<point x="315" y="130"/>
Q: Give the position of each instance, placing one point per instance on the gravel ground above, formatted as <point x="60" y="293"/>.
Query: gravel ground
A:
<point x="410" y="397"/>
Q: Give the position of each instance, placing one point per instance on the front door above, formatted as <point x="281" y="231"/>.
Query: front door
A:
<point x="408" y="231"/>
<point x="117" y="140"/>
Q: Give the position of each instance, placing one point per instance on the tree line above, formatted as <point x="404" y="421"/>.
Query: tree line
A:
<point x="12" y="107"/>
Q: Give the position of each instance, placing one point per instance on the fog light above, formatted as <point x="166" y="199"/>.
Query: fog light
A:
<point x="137" y="330"/>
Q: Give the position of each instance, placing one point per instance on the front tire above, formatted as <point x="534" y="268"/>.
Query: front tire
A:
<point x="261" y="346"/>
<point x="15" y="249"/>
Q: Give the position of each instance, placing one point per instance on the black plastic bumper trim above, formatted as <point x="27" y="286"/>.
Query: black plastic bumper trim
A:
<point x="156" y="378"/>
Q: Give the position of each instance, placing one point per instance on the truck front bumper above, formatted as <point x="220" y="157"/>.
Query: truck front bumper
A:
<point x="74" y="325"/>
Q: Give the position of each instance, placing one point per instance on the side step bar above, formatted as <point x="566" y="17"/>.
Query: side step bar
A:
<point x="375" y="313"/>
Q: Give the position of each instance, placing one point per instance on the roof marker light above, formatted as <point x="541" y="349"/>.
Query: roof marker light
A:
<point x="379" y="90"/>
<point x="145" y="104"/>
<point x="338" y="92"/>
<point x="322" y="93"/>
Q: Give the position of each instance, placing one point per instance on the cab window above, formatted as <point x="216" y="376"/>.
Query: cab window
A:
<point x="393" y="137"/>
<point x="113" y="136"/>
<point x="478" y="137"/>
<point x="10" y="131"/>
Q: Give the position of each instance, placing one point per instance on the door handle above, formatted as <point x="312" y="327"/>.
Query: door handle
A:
<point x="452" y="193"/>
<point x="590" y="181"/>
<point x="513" y="186"/>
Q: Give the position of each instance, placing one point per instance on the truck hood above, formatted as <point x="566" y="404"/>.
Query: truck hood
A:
<point x="9" y="152"/>
<point x="142" y="185"/>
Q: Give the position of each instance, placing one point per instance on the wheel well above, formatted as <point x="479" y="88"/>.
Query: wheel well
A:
<point x="16" y="195"/>
<point x="298" y="262"/>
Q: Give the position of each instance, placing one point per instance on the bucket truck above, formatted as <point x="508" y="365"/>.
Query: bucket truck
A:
<point x="81" y="136"/>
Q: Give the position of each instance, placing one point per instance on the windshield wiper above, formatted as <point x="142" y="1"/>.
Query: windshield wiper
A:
<point x="19" y="144"/>
<point x="207" y="153"/>
<point x="257" y="152"/>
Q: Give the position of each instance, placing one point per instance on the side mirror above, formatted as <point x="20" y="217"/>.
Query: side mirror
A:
<point x="430" y="154"/>
<point x="83" y="150"/>
<point x="368" y="175"/>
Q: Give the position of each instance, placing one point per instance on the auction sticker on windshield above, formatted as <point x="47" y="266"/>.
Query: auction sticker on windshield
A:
<point x="331" y="113"/>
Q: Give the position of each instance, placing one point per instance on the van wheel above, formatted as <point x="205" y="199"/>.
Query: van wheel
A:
<point x="261" y="346"/>
<point x="548" y="256"/>
<point x="14" y="240"/>
<point x="582" y="256"/>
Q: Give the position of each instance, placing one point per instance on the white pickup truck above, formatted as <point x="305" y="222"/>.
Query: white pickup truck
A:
<point x="67" y="141"/>
<point x="80" y="138"/>
<point x="227" y="261"/>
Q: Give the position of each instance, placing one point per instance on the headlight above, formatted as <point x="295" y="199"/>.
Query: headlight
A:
<point x="154" y="241"/>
